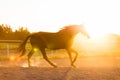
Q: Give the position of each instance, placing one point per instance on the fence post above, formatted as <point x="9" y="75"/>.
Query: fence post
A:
<point x="8" y="49"/>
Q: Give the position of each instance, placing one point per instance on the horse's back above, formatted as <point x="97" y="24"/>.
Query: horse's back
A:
<point x="48" y="40"/>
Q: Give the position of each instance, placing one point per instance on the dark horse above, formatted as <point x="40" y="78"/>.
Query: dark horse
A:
<point x="62" y="39"/>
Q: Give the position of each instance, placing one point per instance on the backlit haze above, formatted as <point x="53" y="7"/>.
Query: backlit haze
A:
<point x="98" y="16"/>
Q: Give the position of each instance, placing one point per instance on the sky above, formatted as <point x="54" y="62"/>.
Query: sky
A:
<point x="98" y="16"/>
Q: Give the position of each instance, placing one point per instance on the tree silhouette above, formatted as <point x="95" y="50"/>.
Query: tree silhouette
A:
<point x="21" y="33"/>
<point x="6" y="33"/>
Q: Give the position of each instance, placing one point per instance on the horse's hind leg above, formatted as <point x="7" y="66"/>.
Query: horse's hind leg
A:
<point x="46" y="58"/>
<point x="29" y="56"/>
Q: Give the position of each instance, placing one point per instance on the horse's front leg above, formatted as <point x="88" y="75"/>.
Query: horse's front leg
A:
<point x="46" y="58"/>
<point x="76" y="55"/>
<point x="70" y="56"/>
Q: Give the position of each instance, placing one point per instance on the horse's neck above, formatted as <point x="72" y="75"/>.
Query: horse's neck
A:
<point x="66" y="36"/>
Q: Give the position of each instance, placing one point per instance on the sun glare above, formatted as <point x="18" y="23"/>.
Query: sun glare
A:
<point x="95" y="32"/>
<point x="35" y="49"/>
<point x="12" y="58"/>
<point x="101" y="42"/>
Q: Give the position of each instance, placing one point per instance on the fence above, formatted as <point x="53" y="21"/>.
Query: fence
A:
<point x="7" y="44"/>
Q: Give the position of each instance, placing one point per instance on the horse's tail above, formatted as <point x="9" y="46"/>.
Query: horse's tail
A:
<point x="22" y="46"/>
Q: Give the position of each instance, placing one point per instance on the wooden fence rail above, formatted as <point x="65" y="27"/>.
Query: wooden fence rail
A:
<point x="8" y="43"/>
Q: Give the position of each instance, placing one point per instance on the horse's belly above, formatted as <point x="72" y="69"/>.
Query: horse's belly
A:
<point x="55" y="46"/>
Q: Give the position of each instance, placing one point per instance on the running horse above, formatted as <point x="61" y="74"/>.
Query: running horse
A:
<point x="63" y="39"/>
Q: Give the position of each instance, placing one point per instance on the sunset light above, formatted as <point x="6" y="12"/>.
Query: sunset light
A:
<point x="59" y="39"/>
<point x="12" y="58"/>
<point x="97" y="31"/>
<point x="51" y="15"/>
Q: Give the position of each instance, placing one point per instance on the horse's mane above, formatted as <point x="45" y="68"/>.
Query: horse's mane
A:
<point x="62" y="29"/>
<point x="65" y="28"/>
<point x="68" y="28"/>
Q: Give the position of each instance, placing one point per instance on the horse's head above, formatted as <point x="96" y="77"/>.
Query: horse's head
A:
<point x="83" y="30"/>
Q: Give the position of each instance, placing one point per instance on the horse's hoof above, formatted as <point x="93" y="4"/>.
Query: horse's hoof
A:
<point x="55" y="66"/>
<point x="73" y="66"/>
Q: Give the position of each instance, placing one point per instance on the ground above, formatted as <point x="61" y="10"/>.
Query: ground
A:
<point x="87" y="69"/>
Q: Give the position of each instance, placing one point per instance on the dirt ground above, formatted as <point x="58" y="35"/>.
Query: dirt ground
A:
<point x="87" y="69"/>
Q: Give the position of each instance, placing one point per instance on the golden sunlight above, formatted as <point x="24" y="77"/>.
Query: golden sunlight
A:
<point x="100" y="30"/>
<point x="35" y="49"/>
<point x="100" y="43"/>
<point x="94" y="32"/>
<point x="12" y="58"/>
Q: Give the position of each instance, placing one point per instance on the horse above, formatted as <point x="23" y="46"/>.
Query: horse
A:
<point x="63" y="39"/>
